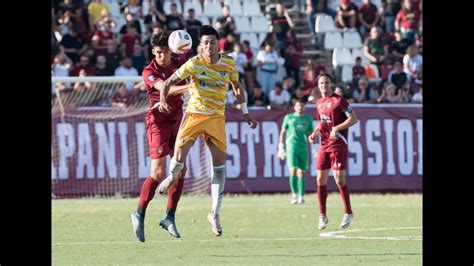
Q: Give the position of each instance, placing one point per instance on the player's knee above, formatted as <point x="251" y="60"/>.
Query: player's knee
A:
<point x="157" y="173"/>
<point x="321" y="180"/>
<point x="340" y="182"/>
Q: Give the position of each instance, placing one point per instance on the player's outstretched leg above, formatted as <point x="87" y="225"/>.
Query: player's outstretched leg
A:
<point x="138" y="223"/>
<point x="175" y="169"/>
<point x="168" y="223"/>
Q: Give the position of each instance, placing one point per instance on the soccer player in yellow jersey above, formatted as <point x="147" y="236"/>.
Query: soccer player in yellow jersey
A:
<point x="211" y="73"/>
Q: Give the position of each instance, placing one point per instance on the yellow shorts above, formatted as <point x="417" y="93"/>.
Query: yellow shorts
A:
<point x="211" y="126"/>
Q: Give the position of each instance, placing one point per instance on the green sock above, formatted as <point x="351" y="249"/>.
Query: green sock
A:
<point x="293" y="184"/>
<point x="301" y="184"/>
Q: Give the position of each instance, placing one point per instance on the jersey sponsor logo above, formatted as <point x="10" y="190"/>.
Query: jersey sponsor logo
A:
<point x="151" y="78"/>
<point x="223" y="73"/>
<point x="325" y="119"/>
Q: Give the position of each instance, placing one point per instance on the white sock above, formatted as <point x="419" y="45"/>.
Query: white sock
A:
<point x="217" y="188"/>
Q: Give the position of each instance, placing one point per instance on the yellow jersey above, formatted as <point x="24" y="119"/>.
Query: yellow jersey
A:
<point x="207" y="93"/>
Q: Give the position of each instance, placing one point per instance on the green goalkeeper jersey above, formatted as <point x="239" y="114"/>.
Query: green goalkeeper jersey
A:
<point x="297" y="129"/>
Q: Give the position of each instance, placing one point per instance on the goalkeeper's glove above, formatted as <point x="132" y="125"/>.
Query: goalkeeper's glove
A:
<point x="281" y="151"/>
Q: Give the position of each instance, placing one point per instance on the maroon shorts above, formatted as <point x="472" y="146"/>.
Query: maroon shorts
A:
<point x="336" y="160"/>
<point x="161" y="134"/>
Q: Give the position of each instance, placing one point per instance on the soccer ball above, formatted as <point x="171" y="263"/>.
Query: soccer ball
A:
<point x="180" y="42"/>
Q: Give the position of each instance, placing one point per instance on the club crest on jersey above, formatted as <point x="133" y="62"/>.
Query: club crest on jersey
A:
<point x="151" y="78"/>
<point x="328" y="105"/>
<point x="223" y="73"/>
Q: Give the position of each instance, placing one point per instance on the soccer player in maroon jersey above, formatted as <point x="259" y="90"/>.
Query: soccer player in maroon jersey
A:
<point x="162" y="129"/>
<point x="335" y="116"/>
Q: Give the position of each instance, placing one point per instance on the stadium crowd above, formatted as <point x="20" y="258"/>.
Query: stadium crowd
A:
<point x="87" y="40"/>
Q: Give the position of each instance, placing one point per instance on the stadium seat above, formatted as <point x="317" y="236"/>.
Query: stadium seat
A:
<point x="167" y="7"/>
<point x="235" y="9"/>
<point x="324" y="23"/>
<point x="212" y="9"/>
<point x="242" y="24"/>
<point x="341" y="56"/>
<point x="359" y="52"/>
<point x="197" y="8"/>
<point x="351" y="39"/>
<point x="259" y="24"/>
<point x="346" y="75"/>
<point x="251" y="37"/>
<point x="251" y="8"/>
<point x="332" y="40"/>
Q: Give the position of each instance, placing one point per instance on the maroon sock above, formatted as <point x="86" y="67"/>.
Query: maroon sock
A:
<point x="322" y="196"/>
<point x="174" y="193"/>
<point x="344" y="191"/>
<point x="146" y="194"/>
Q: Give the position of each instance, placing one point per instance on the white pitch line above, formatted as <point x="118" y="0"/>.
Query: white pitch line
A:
<point x="338" y="234"/>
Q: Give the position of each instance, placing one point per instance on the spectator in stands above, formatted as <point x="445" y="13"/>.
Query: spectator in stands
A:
<point x="155" y="29"/>
<point x="357" y="71"/>
<point x="418" y="97"/>
<point x="175" y="20"/>
<point x="397" y="76"/>
<point x="126" y="69"/>
<point x="226" y="44"/>
<point x="279" y="98"/>
<point x="390" y="10"/>
<point x="412" y="64"/>
<point x="312" y="70"/>
<point x="258" y="97"/>
<point x="241" y="61"/>
<point x="248" y="68"/>
<point x="346" y="15"/>
<point x="60" y="68"/>
<point x="389" y="94"/>
<point x="398" y="47"/>
<point x="292" y="55"/>
<point x="368" y="16"/>
<point x="280" y="24"/>
<point x="112" y="55"/>
<point x="131" y="22"/>
<point x="106" y="17"/>
<point x="289" y="85"/>
<point x="192" y="27"/>
<point x="82" y="86"/>
<point x="407" y="21"/>
<point x="133" y="7"/>
<point x="73" y="45"/>
<point x="94" y="10"/>
<point x="100" y="38"/>
<point x="101" y="68"/>
<point x="375" y="48"/>
<point x="225" y="24"/>
<point x="365" y="93"/>
<point x="317" y="6"/>
<point x="128" y="40"/>
<point x="138" y="58"/>
<point x="298" y="95"/>
<point x="82" y="65"/>
<point x="267" y="61"/>
<point x="122" y="98"/>
<point x="154" y="16"/>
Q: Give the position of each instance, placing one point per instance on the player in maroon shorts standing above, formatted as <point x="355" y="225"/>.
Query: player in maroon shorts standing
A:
<point x="162" y="129"/>
<point x="335" y="116"/>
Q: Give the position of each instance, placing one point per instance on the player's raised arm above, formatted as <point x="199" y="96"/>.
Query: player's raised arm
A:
<point x="239" y="94"/>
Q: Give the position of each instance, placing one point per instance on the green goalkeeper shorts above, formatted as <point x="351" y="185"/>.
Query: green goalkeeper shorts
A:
<point x="297" y="159"/>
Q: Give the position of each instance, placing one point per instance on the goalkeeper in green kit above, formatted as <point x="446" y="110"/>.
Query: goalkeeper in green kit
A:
<point x="294" y="137"/>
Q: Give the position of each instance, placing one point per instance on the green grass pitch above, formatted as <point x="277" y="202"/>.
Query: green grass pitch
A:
<point x="257" y="230"/>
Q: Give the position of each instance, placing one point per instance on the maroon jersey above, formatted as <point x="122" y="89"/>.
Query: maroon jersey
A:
<point x="332" y="111"/>
<point x="154" y="73"/>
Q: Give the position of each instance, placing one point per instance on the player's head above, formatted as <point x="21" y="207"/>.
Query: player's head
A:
<point x="160" y="49"/>
<point x="299" y="106"/>
<point x="208" y="37"/>
<point x="324" y="82"/>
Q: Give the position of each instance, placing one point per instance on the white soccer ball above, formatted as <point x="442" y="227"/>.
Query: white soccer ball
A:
<point x="180" y="42"/>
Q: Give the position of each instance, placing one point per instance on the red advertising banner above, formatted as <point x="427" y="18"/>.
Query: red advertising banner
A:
<point x="93" y="154"/>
